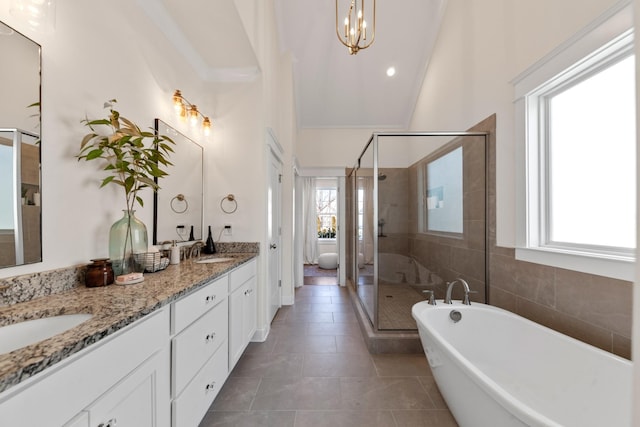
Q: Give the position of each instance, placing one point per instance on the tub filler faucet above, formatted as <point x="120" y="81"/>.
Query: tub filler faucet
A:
<point x="431" y="295"/>
<point x="467" y="291"/>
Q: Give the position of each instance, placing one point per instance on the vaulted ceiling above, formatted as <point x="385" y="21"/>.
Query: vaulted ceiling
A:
<point x="332" y="88"/>
<point x="336" y="90"/>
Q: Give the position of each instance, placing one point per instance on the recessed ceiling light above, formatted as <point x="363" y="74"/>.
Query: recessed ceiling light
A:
<point x="391" y="71"/>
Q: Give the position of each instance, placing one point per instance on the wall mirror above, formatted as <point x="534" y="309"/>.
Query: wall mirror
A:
<point x="178" y="203"/>
<point x="20" y="139"/>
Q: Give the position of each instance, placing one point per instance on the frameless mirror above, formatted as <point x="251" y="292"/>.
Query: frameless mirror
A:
<point x="20" y="182"/>
<point x="178" y="203"/>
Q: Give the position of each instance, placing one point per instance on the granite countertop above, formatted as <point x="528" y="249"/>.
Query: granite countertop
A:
<point x="113" y="307"/>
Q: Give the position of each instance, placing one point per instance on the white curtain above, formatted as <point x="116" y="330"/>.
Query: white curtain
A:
<point x="309" y="220"/>
<point x="368" y="226"/>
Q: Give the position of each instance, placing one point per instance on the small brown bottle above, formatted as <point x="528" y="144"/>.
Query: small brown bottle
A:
<point x="99" y="273"/>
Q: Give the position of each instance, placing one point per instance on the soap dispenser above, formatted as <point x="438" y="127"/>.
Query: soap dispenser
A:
<point x="175" y="254"/>
<point x="209" y="247"/>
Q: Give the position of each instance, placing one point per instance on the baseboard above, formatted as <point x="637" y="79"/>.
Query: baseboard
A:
<point x="288" y="299"/>
<point x="260" y="335"/>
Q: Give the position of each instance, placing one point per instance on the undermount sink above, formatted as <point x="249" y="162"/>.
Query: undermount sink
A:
<point x="22" y="334"/>
<point x="212" y="260"/>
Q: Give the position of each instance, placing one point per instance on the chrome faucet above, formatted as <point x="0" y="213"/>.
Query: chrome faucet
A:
<point x="467" y="291"/>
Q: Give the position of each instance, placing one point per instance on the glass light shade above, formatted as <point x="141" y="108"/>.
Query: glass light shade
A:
<point x="193" y="115"/>
<point x="177" y="101"/>
<point x="206" y="126"/>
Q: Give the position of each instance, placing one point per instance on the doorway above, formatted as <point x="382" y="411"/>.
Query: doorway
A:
<point x="321" y="248"/>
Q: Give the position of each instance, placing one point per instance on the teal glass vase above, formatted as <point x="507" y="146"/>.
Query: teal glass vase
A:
<point x="127" y="244"/>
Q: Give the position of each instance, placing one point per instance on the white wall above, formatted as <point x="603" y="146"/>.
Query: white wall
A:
<point x="331" y="148"/>
<point x="102" y="50"/>
<point x="482" y="46"/>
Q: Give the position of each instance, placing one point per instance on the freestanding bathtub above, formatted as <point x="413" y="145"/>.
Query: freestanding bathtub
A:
<point x="495" y="368"/>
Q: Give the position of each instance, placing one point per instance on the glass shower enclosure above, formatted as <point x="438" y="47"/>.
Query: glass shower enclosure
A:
<point x="417" y="217"/>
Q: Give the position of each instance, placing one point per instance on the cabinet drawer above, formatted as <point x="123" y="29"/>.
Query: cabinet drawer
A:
<point x="241" y="274"/>
<point x="193" y="403"/>
<point x="194" y="305"/>
<point x="195" y="345"/>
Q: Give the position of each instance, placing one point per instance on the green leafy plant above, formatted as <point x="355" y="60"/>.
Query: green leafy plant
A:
<point x="130" y="162"/>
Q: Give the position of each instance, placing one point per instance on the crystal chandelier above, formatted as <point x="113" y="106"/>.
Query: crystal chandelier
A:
<point x="354" y="32"/>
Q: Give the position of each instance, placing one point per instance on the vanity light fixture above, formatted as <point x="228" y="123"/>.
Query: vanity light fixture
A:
<point x="353" y="33"/>
<point x="187" y="110"/>
<point x="39" y="14"/>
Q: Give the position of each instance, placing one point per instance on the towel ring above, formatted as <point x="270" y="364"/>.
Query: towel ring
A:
<point x="233" y="204"/>
<point x="179" y="198"/>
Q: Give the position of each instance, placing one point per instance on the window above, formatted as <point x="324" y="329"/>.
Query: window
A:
<point x="360" y="214"/>
<point x="590" y="178"/>
<point x="444" y="195"/>
<point x="578" y="188"/>
<point x="327" y="211"/>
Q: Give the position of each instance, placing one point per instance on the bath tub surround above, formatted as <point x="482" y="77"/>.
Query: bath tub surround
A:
<point x="496" y="368"/>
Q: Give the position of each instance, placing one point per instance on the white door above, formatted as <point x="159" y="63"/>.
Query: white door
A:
<point x="274" y="235"/>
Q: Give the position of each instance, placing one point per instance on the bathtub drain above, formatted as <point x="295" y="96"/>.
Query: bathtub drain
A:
<point x="455" y="315"/>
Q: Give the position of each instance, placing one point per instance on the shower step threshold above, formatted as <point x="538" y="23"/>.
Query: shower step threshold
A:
<point x="384" y="342"/>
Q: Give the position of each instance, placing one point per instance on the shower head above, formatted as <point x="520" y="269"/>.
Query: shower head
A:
<point x="382" y="176"/>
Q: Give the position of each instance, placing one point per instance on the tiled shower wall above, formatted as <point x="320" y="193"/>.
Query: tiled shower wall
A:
<point x="593" y="309"/>
<point x="450" y="257"/>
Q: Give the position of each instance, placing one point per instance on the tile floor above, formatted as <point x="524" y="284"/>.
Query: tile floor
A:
<point x="314" y="370"/>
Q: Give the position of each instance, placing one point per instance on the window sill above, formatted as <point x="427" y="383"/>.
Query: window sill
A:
<point x="622" y="268"/>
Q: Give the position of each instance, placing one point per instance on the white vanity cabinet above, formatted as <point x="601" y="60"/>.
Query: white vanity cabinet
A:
<point x="128" y="402"/>
<point x="122" y="379"/>
<point x="199" y="351"/>
<point x="242" y="310"/>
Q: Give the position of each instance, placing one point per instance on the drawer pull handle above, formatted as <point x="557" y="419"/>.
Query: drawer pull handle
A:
<point x="111" y="423"/>
<point x="210" y="386"/>
<point x="210" y="298"/>
<point x="210" y="337"/>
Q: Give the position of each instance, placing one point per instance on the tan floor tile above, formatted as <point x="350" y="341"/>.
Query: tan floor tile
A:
<point x="306" y="344"/>
<point x="351" y="344"/>
<point x="345" y="318"/>
<point x="429" y="384"/>
<point x="375" y="393"/>
<point x="333" y="308"/>
<point x="334" y="329"/>
<point x="314" y="300"/>
<point x="434" y="418"/>
<point x="401" y="365"/>
<point x="344" y="419"/>
<point x="236" y="394"/>
<point x="297" y="393"/>
<point x="310" y="317"/>
<point x="338" y="365"/>
<point x="315" y="370"/>
<point x="273" y="365"/>
<point x="249" y="419"/>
